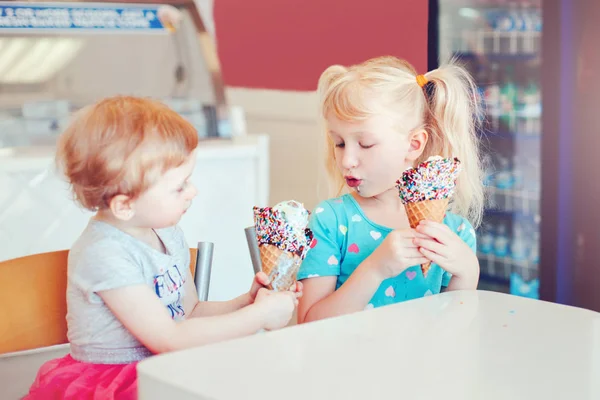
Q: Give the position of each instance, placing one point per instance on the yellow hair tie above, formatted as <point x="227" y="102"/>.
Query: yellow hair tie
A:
<point x="421" y="80"/>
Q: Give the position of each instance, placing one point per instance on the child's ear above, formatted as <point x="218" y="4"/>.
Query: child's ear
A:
<point x="417" y="142"/>
<point x="122" y="207"/>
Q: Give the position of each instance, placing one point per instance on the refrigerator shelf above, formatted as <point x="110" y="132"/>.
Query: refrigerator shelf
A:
<point x="517" y="124"/>
<point x="533" y="113"/>
<point x="497" y="57"/>
<point x="494" y="286"/>
<point x="488" y="134"/>
<point x="487" y="279"/>
<point x="500" y="268"/>
<point x="516" y="195"/>
<point x="507" y="262"/>
<point x="515" y="214"/>
<point x="499" y="43"/>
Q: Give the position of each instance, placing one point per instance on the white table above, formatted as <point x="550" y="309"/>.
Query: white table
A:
<point x="458" y="345"/>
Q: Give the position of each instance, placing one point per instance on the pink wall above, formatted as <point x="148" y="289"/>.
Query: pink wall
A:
<point x="286" y="44"/>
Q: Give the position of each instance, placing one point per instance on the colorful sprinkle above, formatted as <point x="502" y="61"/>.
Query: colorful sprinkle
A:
<point x="433" y="179"/>
<point x="272" y="228"/>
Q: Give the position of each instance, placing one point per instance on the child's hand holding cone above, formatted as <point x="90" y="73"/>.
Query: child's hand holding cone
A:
<point x="396" y="253"/>
<point x="439" y="244"/>
<point x="426" y="191"/>
<point x="262" y="281"/>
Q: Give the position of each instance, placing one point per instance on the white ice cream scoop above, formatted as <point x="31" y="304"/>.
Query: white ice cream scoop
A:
<point x="294" y="214"/>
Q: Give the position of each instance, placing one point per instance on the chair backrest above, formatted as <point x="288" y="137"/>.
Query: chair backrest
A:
<point x="250" y="233"/>
<point x="33" y="302"/>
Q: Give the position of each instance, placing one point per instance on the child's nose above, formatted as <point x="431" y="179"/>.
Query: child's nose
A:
<point x="349" y="160"/>
<point x="192" y="191"/>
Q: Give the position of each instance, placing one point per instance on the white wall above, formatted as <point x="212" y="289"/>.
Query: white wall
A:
<point x="291" y="121"/>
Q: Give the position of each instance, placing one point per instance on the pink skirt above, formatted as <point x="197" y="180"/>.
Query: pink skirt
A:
<point x="66" y="378"/>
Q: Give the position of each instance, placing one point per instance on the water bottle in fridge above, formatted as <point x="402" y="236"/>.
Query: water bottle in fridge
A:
<point x="501" y="242"/>
<point x="486" y="240"/>
<point x="519" y="244"/>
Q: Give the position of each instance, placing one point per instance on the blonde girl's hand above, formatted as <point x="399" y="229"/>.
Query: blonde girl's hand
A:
<point x="445" y="248"/>
<point x="297" y="288"/>
<point x="396" y="253"/>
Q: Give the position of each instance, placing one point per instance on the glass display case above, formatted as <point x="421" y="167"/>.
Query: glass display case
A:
<point x="499" y="42"/>
<point x="56" y="57"/>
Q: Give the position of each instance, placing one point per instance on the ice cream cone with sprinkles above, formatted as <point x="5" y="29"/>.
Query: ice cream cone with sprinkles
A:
<point x="426" y="191"/>
<point x="283" y="241"/>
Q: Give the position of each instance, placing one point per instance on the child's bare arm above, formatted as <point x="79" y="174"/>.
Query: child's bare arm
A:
<point x="212" y="308"/>
<point x="320" y="299"/>
<point x="143" y="314"/>
<point x="195" y="308"/>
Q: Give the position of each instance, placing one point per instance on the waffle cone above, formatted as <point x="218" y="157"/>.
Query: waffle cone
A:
<point x="280" y="266"/>
<point x="433" y="210"/>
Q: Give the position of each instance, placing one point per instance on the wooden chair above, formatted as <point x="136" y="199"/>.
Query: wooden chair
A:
<point x="33" y="300"/>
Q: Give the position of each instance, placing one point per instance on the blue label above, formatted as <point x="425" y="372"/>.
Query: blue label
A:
<point x="79" y="17"/>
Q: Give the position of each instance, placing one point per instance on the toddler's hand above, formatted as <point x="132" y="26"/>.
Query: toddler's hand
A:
<point x="277" y="308"/>
<point x="397" y="252"/>
<point x="261" y="280"/>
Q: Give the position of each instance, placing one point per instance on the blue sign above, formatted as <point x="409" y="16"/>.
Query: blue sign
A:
<point x="47" y="17"/>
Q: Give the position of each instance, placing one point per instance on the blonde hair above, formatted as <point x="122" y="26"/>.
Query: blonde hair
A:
<point x="122" y="145"/>
<point x="450" y="115"/>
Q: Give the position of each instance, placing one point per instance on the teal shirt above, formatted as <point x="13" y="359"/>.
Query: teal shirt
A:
<point x="344" y="237"/>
